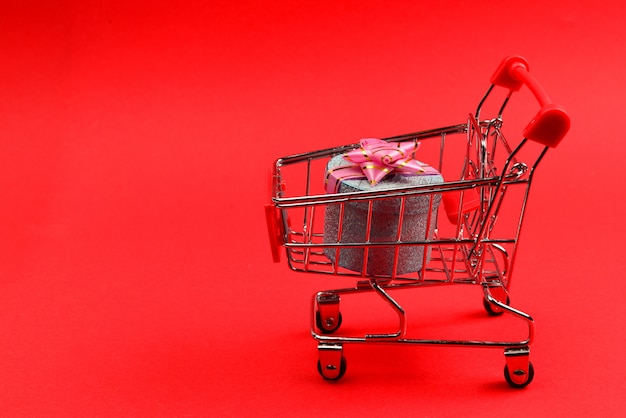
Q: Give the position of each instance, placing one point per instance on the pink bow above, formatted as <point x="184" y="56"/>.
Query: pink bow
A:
<point x="378" y="158"/>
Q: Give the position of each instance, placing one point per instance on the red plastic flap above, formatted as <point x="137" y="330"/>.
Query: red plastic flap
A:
<point x="452" y="203"/>
<point x="274" y="231"/>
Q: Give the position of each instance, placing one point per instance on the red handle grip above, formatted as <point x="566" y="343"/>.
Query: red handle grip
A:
<point x="551" y="123"/>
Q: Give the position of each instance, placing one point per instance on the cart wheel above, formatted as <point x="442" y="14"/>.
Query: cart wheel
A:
<point x="329" y="372"/>
<point x="329" y="325"/>
<point x="494" y="310"/>
<point x="518" y="385"/>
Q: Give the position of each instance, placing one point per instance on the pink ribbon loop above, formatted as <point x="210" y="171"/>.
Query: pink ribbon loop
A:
<point x="377" y="158"/>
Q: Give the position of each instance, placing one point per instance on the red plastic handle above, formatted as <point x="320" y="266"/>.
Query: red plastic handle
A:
<point x="551" y="123"/>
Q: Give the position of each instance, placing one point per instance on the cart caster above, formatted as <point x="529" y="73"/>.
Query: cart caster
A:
<point x="331" y="364"/>
<point x="494" y="310"/>
<point x="327" y="317"/>
<point x="519" y="376"/>
<point x="497" y="292"/>
<point x="523" y="371"/>
<point x="328" y="325"/>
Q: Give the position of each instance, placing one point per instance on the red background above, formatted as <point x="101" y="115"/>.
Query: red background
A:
<point x="135" y="139"/>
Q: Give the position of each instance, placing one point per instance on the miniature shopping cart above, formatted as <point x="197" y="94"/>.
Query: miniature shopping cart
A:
<point x="390" y="238"/>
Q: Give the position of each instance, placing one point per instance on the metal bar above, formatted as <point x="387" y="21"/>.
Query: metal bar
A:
<point x="301" y="201"/>
<point x="393" y="243"/>
<point x="482" y="101"/>
<point x="396" y="251"/>
<point x="498" y="185"/>
<point x="523" y="210"/>
<point x="425" y="134"/>
<point x="339" y="235"/>
<point x="396" y="307"/>
<point x="368" y="230"/>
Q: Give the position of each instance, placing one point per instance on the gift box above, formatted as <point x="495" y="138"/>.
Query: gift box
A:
<point x="344" y="176"/>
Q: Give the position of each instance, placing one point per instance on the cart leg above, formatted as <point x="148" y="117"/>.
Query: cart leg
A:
<point x="519" y="371"/>
<point x="331" y="364"/>
<point x="327" y="315"/>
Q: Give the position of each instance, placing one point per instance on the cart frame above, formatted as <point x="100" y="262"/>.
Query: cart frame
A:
<point x="471" y="252"/>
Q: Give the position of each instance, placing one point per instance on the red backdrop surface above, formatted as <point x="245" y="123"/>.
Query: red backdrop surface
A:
<point x="135" y="140"/>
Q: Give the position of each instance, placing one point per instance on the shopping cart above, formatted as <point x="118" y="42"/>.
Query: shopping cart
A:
<point x="472" y="238"/>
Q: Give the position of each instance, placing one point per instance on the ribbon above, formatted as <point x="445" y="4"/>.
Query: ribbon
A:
<point x="376" y="158"/>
